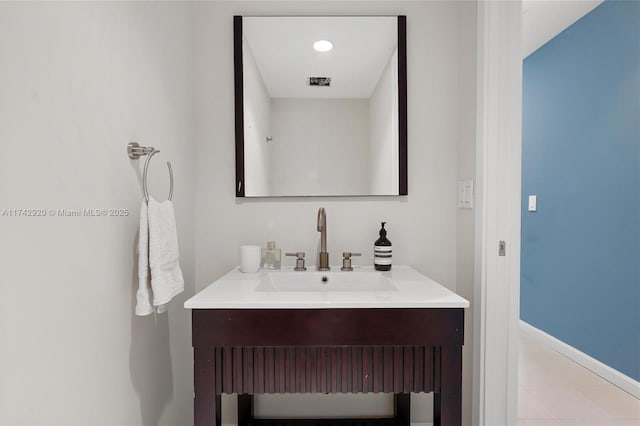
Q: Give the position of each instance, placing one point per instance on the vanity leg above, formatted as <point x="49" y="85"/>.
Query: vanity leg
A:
<point x="206" y="401"/>
<point x="402" y="408"/>
<point x="447" y="400"/>
<point x="245" y="409"/>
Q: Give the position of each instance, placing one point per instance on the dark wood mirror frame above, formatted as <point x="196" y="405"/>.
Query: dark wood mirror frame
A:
<point x="402" y="108"/>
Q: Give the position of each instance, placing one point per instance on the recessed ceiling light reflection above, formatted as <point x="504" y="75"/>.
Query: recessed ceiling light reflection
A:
<point x="323" y="45"/>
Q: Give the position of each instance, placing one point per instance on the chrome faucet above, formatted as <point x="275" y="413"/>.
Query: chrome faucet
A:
<point x="323" y="256"/>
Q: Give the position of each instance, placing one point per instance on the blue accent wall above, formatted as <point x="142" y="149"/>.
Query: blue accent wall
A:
<point x="580" y="269"/>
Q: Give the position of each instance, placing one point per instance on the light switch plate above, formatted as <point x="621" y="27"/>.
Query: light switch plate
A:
<point x="533" y="203"/>
<point x="465" y="194"/>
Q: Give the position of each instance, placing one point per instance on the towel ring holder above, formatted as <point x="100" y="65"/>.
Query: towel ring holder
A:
<point x="145" y="184"/>
<point x="135" y="151"/>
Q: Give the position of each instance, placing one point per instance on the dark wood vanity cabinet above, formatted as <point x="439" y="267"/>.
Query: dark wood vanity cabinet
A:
<point x="260" y="351"/>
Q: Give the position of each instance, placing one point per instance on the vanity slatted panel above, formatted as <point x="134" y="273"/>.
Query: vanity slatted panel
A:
<point x="338" y="369"/>
<point x="325" y="422"/>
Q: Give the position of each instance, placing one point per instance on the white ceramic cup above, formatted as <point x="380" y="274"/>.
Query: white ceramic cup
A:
<point x="250" y="257"/>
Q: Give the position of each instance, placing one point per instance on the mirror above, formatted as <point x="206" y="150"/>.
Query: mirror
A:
<point x="320" y="105"/>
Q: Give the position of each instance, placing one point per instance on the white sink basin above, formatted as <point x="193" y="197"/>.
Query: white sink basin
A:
<point x="353" y="281"/>
<point x="402" y="287"/>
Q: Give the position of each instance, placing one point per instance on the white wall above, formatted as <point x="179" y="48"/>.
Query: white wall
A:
<point x="383" y="131"/>
<point x="257" y="127"/>
<point x="78" y="81"/>
<point x="465" y="218"/>
<point x="320" y="146"/>
<point x="422" y="226"/>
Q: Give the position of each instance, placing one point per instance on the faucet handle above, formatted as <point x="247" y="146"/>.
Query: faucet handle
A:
<point x="346" y="260"/>
<point x="299" y="260"/>
<point x="298" y="254"/>
<point x="348" y="254"/>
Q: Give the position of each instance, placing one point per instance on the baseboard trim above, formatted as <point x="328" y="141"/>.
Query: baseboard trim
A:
<point x="611" y="375"/>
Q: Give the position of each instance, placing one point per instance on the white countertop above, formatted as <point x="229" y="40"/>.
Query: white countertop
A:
<point x="403" y="287"/>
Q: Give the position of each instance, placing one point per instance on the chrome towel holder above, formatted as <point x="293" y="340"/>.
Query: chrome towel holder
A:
<point x="135" y="151"/>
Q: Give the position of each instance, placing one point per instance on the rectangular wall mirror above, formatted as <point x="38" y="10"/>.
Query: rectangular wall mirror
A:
<point x="320" y="105"/>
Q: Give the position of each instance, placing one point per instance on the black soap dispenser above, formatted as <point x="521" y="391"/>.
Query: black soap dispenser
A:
<point x="382" y="251"/>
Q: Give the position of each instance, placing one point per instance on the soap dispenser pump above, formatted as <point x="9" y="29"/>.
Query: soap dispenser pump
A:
<point x="382" y="251"/>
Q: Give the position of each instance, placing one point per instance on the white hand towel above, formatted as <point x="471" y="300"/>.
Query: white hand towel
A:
<point x="143" y="296"/>
<point x="166" y="275"/>
<point x="162" y="255"/>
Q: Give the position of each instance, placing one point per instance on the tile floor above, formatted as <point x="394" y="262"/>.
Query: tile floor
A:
<point x="553" y="390"/>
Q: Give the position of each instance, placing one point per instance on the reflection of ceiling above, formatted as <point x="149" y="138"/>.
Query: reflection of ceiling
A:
<point x="283" y="50"/>
<point x="542" y="20"/>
